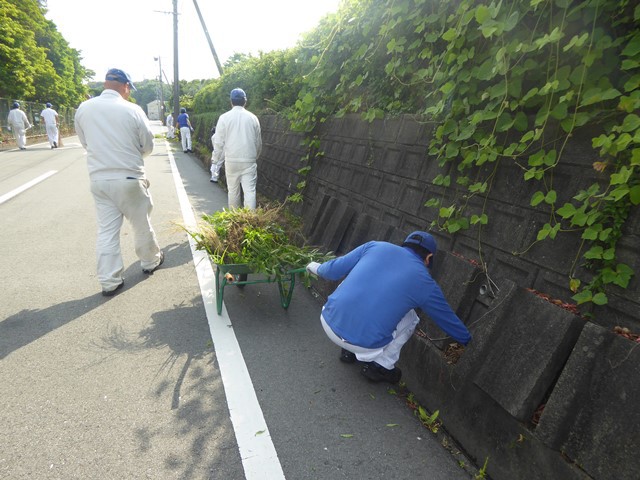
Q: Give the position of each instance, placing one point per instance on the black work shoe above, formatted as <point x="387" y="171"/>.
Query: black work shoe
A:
<point x="55" y="144"/>
<point x="377" y="373"/>
<point x="151" y="270"/>
<point x="347" y="357"/>
<point x="111" y="293"/>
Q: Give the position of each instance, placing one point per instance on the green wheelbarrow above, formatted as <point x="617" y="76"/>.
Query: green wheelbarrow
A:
<point x="229" y="271"/>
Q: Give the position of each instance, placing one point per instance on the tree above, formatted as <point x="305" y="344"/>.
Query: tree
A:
<point x="36" y="62"/>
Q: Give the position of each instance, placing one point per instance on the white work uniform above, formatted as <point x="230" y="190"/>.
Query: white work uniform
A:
<point x="19" y="123"/>
<point x="238" y="143"/>
<point x="170" y="127"/>
<point x="51" y="123"/>
<point x="117" y="137"/>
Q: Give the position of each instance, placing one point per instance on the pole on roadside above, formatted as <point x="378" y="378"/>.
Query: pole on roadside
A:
<point x="206" y="33"/>
<point x="176" y="76"/>
<point x="162" y="115"/>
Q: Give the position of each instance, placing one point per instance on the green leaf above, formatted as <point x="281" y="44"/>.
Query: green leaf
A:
<point x="449" y="34"/>
<point x="482" y="219"/>
<point x="621" y="177"/>
<point x="600" y="299"/>
<point x="511" y="22"/>
<point x="595" y="95"/>
<point x="482" y="14"/>
<point x="537" y="198"/>
<point x="550" y="197"/>
<point x="633" y="47"/>
<point x="594" y="253"/>
<point x="447" y="212"/>
<point x="583" y="297"/>
<point x="576" y="41"/>
<point x="537" y="159"/>
<point x="544" y="232"/>
<point x="634" y="195"/>
<point x="566" y="211"/>
<point x="630" y="123"/>
<point x="633" y="83"/>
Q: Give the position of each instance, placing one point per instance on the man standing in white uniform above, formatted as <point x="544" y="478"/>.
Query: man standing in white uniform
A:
<point x="117" y="137"/>
<point x="50" y="117"/>
<point x="170" y="127"/>
<point x="19" y="124"/>
<point x="238" y="143"/>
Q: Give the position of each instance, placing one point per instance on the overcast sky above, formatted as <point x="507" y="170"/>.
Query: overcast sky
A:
<point x="128" y="34"/>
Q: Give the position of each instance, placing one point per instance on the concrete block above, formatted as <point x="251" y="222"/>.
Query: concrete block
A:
<point x="485" y="430"/>
<point x="459" y="280"/>
<point x="390" y="190"/>
<point x="391" y="161"/>
<point x="592" y="414"/>
<point x="536" y="340"/>
<point x="332" y="224"/>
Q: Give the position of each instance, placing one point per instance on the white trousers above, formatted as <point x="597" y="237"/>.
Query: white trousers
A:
<point x="185" y="136"/>
<point x="20" y="134"/>
<point x="386" y="356"/>
<point x="215" y="170"/>
<point x="115" y="200"/>
<point x="52" y="133"/>
<point x="245" y="175"/>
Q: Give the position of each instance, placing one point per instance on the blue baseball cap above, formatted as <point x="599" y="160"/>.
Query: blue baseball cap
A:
<point x="238" y="94"/>
<point x="48" y="105"/>
<point x="119" y="76"/>
<point x="424" y="239"/>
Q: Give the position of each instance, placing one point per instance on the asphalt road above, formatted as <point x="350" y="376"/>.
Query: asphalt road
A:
<point x="152" y="383"/>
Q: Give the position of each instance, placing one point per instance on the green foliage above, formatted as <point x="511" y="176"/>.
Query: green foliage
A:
<point x="36" y="62"/>
<point x="267" y="239"/>
<point x="507" y="82"/>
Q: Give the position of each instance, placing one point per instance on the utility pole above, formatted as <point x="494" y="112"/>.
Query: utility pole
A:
<point x="162" y="115"/>
<point x="176" y="76"/>
<point x="206" y="33"/>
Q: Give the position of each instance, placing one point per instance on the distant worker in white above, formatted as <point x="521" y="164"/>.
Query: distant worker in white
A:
<point x="170" y="126"/>
<point x="50" y="117"/>
<point x="238" y="142"/>
<point x="19" y="124"/>
<point x="117" y="137"/>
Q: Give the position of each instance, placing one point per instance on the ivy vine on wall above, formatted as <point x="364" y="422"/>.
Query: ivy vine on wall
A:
<point x="507" y="81"/>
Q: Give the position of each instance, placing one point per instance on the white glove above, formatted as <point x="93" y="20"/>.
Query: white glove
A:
<point x="313" y="268"/>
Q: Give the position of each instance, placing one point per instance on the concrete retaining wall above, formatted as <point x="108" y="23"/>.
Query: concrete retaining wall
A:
<point x="540" y="391"/>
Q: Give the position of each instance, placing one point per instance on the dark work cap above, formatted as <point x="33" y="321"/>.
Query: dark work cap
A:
<point x="424" y="239"/>
<point x="119" y="76"/>
<point x="238" y="94"/>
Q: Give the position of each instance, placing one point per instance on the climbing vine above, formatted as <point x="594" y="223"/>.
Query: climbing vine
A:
<point x="506" y="81"/>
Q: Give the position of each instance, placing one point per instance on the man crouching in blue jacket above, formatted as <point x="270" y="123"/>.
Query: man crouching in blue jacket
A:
<point x="371" y="314"/>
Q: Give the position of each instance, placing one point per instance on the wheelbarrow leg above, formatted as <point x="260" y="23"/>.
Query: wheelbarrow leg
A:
<point x="220" y="290"/>
<point x="286" y="293"/>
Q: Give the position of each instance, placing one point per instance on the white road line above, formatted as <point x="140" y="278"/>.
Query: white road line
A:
<point x="26" y="186"/>
<point x="259" y="456"/>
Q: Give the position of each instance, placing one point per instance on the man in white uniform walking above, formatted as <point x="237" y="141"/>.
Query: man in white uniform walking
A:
<point x="117" y="137"/>
<point x="50" y="117"/>
<point x="19" y="124"/>
<point x="237" y="142"/>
